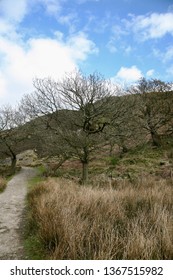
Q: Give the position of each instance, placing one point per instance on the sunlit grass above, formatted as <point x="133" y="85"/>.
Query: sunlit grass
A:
<point x="126" y="222"/>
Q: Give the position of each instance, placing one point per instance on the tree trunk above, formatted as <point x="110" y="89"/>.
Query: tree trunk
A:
<point x="13" y="163"/>
<point x="155" y="139"/>
<point x="84" y="172"/>
<point x="111" y="149"/>
<point x="124" y="149"/>
<point x="85" y="161"/>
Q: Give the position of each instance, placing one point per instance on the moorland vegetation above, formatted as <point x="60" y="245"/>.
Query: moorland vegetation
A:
<point x="107" y="159"/>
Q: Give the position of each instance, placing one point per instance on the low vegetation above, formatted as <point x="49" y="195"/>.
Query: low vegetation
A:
<point x="126" y="221"/>
<point x="3" y="184"/>
<point x="5" y="176"/>
<point x="109" y="154"/>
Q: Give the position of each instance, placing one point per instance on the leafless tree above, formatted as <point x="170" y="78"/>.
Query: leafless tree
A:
<point x="76" y="109"/>
<point x="122" y="129"/>
<point x="154" y="111"/>
<point x="12" y="134"/>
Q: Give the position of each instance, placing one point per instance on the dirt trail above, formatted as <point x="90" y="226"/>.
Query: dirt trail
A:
<point x="12" y="203"/>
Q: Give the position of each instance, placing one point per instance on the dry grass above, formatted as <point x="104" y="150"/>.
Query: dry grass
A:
<point x="3" y="183"/>
<point x="124" y="222"/>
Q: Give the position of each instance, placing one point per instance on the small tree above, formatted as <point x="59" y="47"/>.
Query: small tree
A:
<point x="12" y="134"/>
<point x="76" y="109"/>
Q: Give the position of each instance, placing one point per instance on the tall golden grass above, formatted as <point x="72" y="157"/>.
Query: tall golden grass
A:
<point x="124" y="222"/>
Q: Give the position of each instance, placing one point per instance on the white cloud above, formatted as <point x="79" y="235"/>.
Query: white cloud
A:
<point x="169" y="71"/>
<point x="165" y="56"/>
<point x="150" y="73"/>
<point x="41" y="57"/>
<point x="53" y="7"/>
<point x="128" y="75"/>
<point x="111" y="46"/>
<point x="170" y="8"/>
<point x="168" y="55"/>
<point x="69" y="20"/>
<point x="14" y="12"/>
<point x="84" y="1"/>
<point x="118" y="31"/>
<point x="151" y="26"/>
<point x="5" y="27"/>
<point x="128" y="50"/>
<point x="3" y="86"/>
<point x="80" y="46"/>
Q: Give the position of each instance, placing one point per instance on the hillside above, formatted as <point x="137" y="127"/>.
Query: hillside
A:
<point x="132" y="122"/>
<point x="124" y="208"/>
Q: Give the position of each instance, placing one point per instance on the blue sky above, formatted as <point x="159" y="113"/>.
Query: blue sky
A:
<point x="122" y="39"/>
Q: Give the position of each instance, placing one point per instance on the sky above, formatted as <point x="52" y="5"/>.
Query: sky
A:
<point x="123" y="40"/>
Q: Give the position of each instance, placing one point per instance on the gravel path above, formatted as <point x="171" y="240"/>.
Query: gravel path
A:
<point x="12" y="203"/>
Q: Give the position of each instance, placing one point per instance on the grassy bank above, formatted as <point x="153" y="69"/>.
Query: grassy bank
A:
<point x="5" y="176"/>
<point x="32" y="245"/>
<point x="3" y="184"/>
<point x="127" y="221"/>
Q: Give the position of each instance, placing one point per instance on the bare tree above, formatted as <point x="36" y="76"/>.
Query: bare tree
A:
<point x="11" y="134"/>
<point x="154" y="107"/>
<point x="122" y="130"/>
<point x="76" y="109"/>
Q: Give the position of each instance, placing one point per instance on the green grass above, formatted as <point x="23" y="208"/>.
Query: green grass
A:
<point x="139" y="161"/>
<point x="38" y="178"/>
<point x="6" y="176"/>
<point x="33" y="248"/>
<point x="144" y="159"/>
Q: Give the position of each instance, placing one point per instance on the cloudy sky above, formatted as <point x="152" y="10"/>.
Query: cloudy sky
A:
<point x="122" y="39"/>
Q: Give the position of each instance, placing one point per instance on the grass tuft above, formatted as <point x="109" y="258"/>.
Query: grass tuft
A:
<point x="126" y="222"/>
<point x="3" y="184"/>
